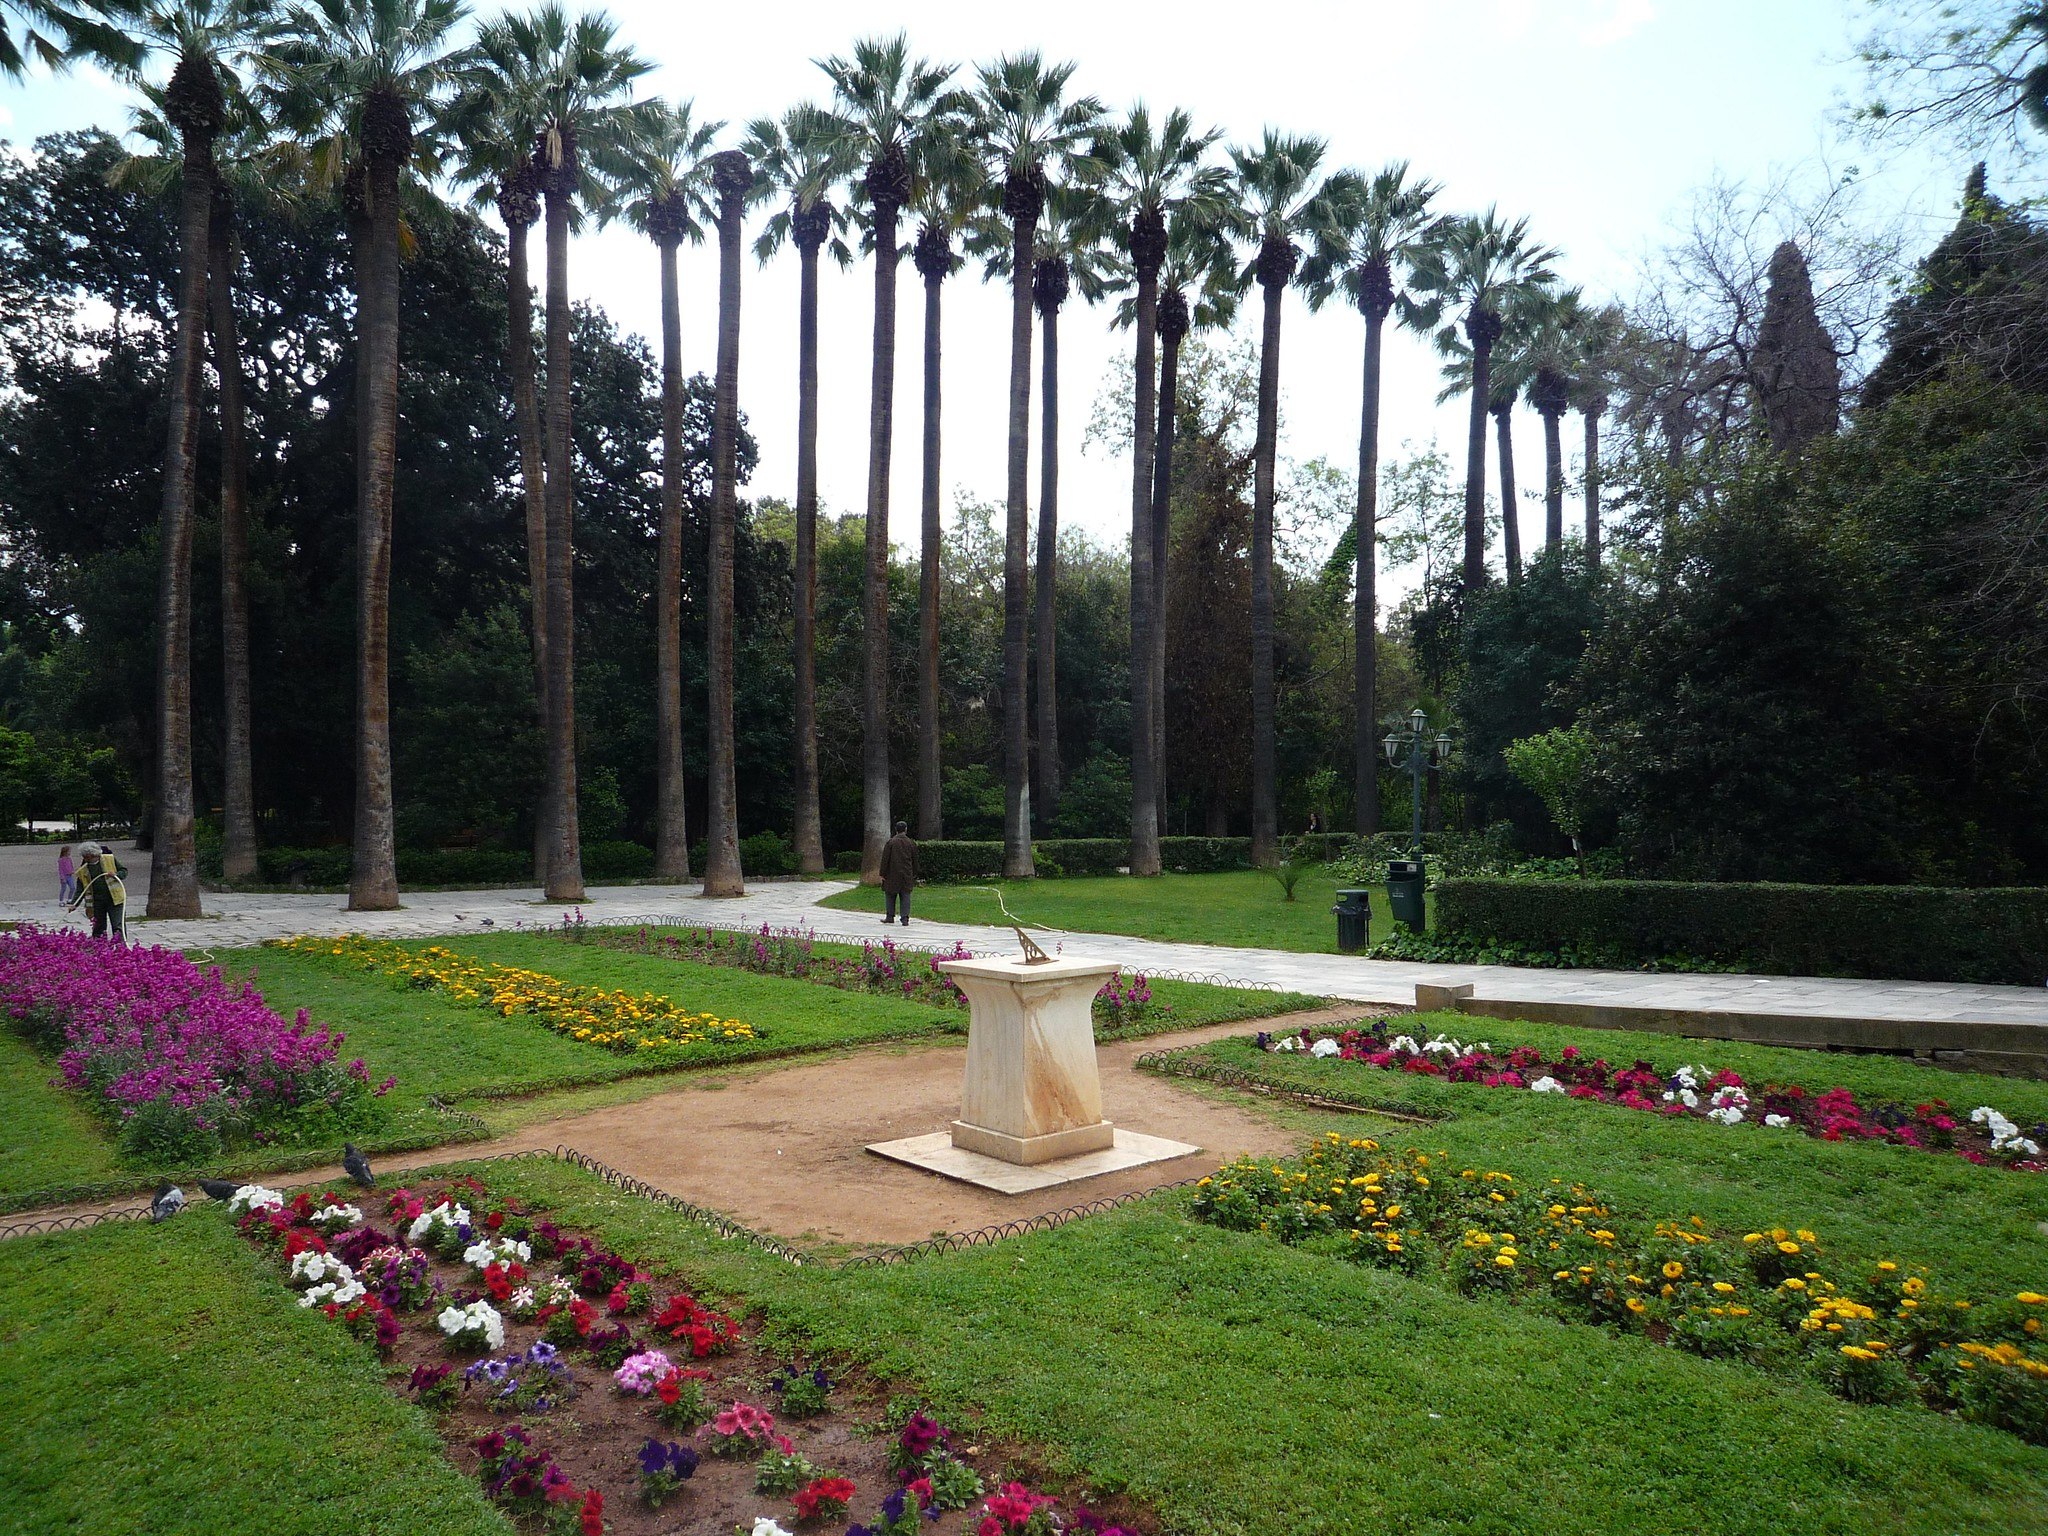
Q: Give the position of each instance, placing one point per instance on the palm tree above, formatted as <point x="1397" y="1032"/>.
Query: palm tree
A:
<point x="207" y="37"/>
<point x="249" y="168"/>
<point x="1198" y="262"/>
<point x="571" y="75"/>
<point x="797" y="155"/>
<point x="1367" y="240"/>
<point x="1600" y="340"/>
<point x="1068" y="256"/>
<point x="53" y="35"/>
<point x="664" y="188"/>
<point x="1026" y="132"/>
<point x="1147" y="176"/>
<point x="1509" y="372"/>
<point x="1551" y="355"/>
<point x="1476" y="266"/>
<point x="1278" y="187"/>
<point x="885" y="103"/>
<point x="737" y="186"/>
<point x="495" y="138"/>
<point x="945" y="189"/>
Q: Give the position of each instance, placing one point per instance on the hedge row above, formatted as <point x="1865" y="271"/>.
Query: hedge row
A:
<point x="437" y="867"/>
<point x="946" y="862"/>
<point x="1898" y="932"/>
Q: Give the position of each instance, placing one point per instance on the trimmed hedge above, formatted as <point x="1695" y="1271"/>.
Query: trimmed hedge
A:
<point x="439" y="867"/>
<point x="1895" y="932"/>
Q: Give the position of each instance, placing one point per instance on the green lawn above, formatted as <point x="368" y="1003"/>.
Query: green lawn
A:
<point x="1241" y="908"/>
<point x="160" y="1381"/>
<point x="1970" y="1225"/>
<point x="50" y="1137"/>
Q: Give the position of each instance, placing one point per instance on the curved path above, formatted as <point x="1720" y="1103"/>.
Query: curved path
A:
<point x="249" y="919"/>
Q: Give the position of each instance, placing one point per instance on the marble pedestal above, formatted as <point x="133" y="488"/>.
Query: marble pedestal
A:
<point x="1031" y="1107"/>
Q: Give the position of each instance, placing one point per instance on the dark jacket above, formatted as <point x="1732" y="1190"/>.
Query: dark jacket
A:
<point x="899" y="865"/>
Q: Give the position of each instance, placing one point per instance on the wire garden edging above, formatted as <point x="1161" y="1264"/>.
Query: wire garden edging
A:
<point x="1183" y="1061"/>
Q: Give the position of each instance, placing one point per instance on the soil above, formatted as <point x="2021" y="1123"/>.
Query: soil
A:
<point x="596" y="1435"/>
<point x="782" y="1147"/>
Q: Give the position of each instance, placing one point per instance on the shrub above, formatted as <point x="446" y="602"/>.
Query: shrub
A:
<point x="1911" y="933"/>
<point x="609" y="859"/>
<point x="1204" y="855"/>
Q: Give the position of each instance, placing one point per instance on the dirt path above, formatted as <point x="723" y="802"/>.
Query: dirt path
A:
<point x="784" y="1149"/>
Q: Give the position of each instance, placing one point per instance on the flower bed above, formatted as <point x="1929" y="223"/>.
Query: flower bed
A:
<point x="883" y="969"/>
<point x="184" y="1062"/>
<point x="1771" y="1298"/>
<point x="588" y="1399"/>
<point x="1698" y="1092"/>
<point x="617" y="1021"/>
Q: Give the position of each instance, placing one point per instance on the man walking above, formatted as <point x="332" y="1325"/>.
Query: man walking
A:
<point x="899" y="873"/>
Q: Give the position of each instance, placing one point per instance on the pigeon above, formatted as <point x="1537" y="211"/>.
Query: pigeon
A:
<point x="357" y="1166"/>
<point x="460" y="918"/>
<point x="219" y="1189"/>
<point x="168" y="1202"/>
<point x="489" y="924"/>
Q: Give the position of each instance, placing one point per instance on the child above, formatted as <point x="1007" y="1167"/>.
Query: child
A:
<point x="67" y="876"/>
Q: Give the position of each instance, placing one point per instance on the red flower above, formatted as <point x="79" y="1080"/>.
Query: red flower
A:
<point x="593" y="1513"/>
<point x="813" y="1497"/>
<point x="495" y="1220"/>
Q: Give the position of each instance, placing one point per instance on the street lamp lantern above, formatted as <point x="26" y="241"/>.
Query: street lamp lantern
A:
<point x="1418" y="751"/>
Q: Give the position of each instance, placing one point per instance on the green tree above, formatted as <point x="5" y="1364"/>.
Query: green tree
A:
<point x="799" y="154"/>
<point x="885" y="103"/>
<point x="356" y="73"/>
<point x="1028" y="133"/>
<point x="664" y="186"/>
<point x="1278" y="186"/>
<point x="1475" y="267"/>
<point x="1368" y="234"/>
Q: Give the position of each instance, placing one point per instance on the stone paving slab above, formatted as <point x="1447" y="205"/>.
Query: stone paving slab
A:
<point x="236" y="920"/>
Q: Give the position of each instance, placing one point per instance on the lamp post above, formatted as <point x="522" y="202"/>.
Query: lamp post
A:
<point x="1417" y="751"/>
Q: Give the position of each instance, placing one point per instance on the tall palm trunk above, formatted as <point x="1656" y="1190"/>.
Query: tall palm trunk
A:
<point x="934" y="258"/>
<point x="1365" y="747"/>
<point x="1510" y="504"/>
<point x="1553" y="481"/>
<point x="1482" y="327"/>
<point x="516" y="207"/>
<point x="373" y="878"/>
<point x="1592" y="411"/>
<point x="1022" y="201"/>
<point x="1275" y="268"/>
<point x="810" y="839"/>
<point x="671" y="829"/>
<point x="174" y="862"/>
<point x="874" y="693"/>
<point x="1148" y="609"/>
<point x="565" y="857"/>
<point x="1171" y="322"/>
<point x="1049" y="289"/>
<point x="731" y="173"/>
<point x="238" y="801"/>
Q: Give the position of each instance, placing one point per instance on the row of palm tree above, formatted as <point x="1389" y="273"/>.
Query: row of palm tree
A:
<point x="536" y="118"/>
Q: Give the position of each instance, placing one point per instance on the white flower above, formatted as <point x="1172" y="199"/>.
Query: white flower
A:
<point x="311" y="1268"/>
<point x="1546" y="1085"/>
<point x="2005" y="1136"/>
<point x="1326" y="1048"/>
<point x="1685" y="1077"/>
<point x="340" y="1294"/>
<point x="1280" y="1043"/>
<point x="1402" y="1043"/>
<point x="522" y="1299"/>
<point x="478" y="1316"/>
<point x="764" y="1526"/>
<point x="336" y="1216"/>
<point x="490" y="1251"/>
<point x="1776" y="1122"/>
<point x="1688" y="1098"/>
<point x="254" y="1197"/>
<point x="1444" y="1045"/>
<point x="1730" y="1098"/>
<point x="1729" y="1115"/>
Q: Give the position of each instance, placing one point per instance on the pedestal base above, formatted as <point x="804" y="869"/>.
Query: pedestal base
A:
<point x="1031" y="1150"/>
<point x="937" y="1153"/>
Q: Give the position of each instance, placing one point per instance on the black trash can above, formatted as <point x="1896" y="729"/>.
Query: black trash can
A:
<point x="1354" y="921"/>
<point x="1404" y="891"/>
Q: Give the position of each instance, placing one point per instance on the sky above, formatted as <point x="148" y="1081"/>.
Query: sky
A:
<point x="1595" y="118"/>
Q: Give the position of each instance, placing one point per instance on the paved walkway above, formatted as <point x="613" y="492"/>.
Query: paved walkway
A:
<point x="235" y="920"/>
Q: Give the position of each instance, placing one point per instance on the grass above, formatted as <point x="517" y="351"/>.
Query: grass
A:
<point x="160" y="1382"/>
<point x="1241" y="909"/>
<point x="52" y="1149"/>
<point x="1237" y="1386"/>
<point x="1975" y="1228"/>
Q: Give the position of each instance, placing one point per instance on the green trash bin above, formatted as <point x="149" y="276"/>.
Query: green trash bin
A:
<point x="1354" y="921"/>
<point x="1404" y="891"/>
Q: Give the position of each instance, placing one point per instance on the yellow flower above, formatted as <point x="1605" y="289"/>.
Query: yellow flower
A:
<point x="1722" y="1287"/>
<point x="1788" y="1247"/>
<point x="1637" y="1304"/>
<point x="1673" y="1269"/>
